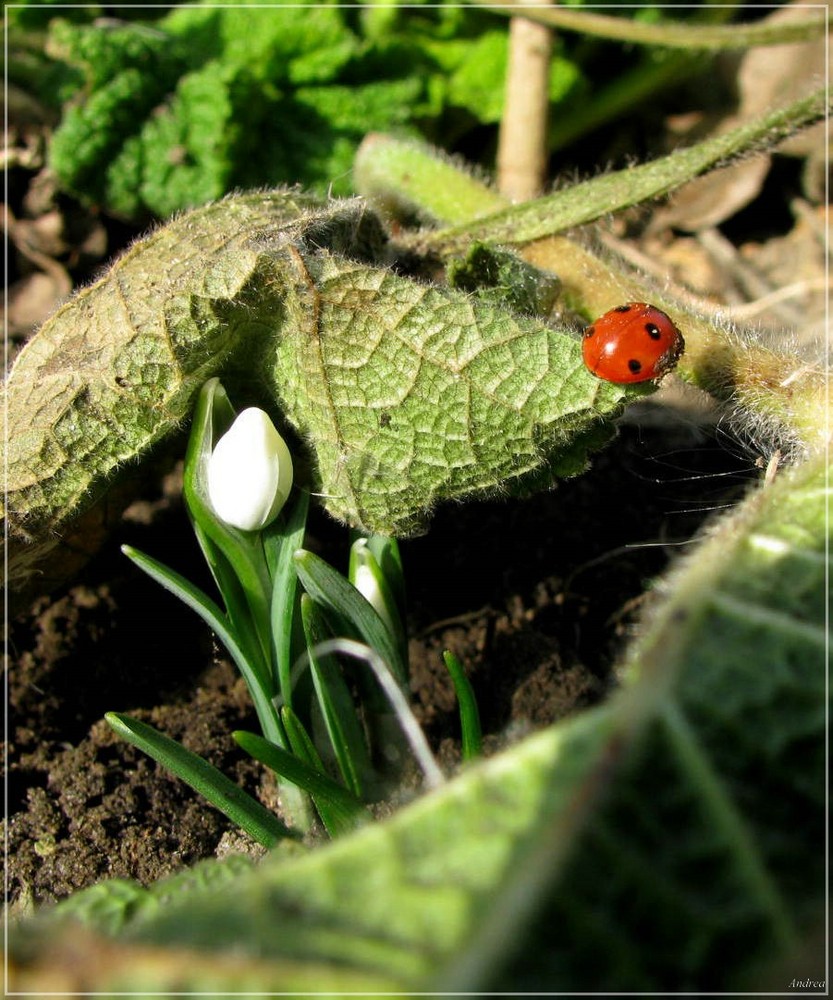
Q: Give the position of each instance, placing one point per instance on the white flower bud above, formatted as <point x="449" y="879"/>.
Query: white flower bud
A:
<point x="368" y="579"/>
<point x="249" y="472"/>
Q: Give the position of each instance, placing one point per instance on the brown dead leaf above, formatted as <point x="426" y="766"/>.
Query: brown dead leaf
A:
<point x="33" y="298"/>
<point x="766" y="77"/>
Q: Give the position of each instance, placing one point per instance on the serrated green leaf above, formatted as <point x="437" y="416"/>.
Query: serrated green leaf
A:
<point x="207" y="99"/>
<point x="430" y="395"/>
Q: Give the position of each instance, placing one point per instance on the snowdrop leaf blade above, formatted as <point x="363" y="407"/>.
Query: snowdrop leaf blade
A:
<point x="469" y="713"/>
<point x="211" y="614"/>
<point x="280" y="541"/>
<point x="203" y="777"/>
<point x="235" y="557"/>
<point x="329" y="588"/>
<point x="344" y="809"/>
<point x="337" y="706"/>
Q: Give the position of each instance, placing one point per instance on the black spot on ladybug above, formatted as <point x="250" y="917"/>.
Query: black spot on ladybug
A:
<point x="590" y="331"/>
<point x="621" y="309"/>
<point x="634" y="365"/>
<point x="653" y="331"/>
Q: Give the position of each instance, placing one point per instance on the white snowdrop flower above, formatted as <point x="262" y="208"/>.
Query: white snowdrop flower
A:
<point x="366" y="577"/>
<point x="249" y="472"/>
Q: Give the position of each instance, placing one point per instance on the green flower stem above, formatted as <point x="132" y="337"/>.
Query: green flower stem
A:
<point x="592" y="199"/>
<point x="407" y="178"/>
<point x="212" y="784"/>
<point x="626" y="92"/>
<point x="236" y="557"/>
<point x="787" y="402"/>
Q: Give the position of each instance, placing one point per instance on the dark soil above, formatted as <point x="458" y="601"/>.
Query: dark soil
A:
<point x="536" y="596"/>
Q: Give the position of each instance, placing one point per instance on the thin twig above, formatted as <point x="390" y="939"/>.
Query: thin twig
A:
<point x="522" y="144"/>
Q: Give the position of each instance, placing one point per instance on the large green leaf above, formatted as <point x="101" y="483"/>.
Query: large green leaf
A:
<point x="672" y="839"/>
<point x="408" y="394"/>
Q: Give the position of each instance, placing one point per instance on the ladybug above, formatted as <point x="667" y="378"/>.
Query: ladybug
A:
<point x="632" y="343"/>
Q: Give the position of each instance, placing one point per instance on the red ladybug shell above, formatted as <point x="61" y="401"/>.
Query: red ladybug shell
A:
<point x="632" y="343"/>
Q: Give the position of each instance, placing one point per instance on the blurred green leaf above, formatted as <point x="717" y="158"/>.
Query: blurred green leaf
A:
<point x="180" y="110"/>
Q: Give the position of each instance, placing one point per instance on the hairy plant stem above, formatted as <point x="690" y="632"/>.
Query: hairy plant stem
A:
<point x="783" y="404"/>
<point x="714" y="37"/>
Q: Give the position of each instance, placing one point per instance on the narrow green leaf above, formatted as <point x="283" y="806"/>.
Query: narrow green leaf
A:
<point x="238" y="610"/>
<point x="332" y="812"/>
<point x="337" y="708"/>
<point x="217" y="621"/>
<point x="203" y="777"/>
<point x="329" y="588"/>
<point x="389" y="558"/>
<point x="280" y="542"/>
<point x="300" y="742"/>
<point x="469" y="714"/>
<point x="399" y="721"/>
<point x="366" y="575"/>
<point x="344" y="809"/>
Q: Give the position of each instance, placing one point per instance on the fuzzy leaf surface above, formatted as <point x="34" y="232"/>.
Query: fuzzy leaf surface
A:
<point x="408" y="394"/>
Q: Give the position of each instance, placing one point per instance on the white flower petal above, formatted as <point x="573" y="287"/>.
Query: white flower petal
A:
<point x="249" y="472"/>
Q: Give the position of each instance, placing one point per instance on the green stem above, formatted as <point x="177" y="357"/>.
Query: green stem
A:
<point x="592" y="199"/>
<point x="685" y="36"/>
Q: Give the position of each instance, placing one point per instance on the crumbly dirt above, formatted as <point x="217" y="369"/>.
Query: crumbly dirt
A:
<point x="536" y="596"/>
